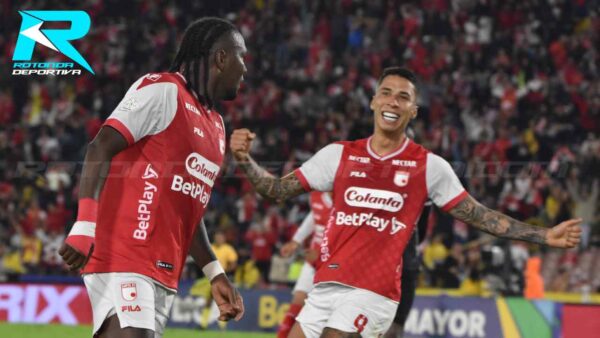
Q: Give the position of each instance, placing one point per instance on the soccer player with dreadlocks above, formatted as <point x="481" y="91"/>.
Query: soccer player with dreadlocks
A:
<point x="146" y="183"/>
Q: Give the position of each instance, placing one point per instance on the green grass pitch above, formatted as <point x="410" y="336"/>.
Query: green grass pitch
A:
<point x="61" y="331"/>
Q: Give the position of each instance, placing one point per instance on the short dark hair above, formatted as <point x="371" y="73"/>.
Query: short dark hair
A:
<point x="195" y="47"/>
<point x="399" y="71"/>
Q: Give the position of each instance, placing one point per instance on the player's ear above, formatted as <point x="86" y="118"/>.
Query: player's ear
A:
<point x="220" y="59"/>
<point x="415" y="112"/>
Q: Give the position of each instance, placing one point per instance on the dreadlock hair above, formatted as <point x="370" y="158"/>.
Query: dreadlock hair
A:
<point x="195" y="47"/>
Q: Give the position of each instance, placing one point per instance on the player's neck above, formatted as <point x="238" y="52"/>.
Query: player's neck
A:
<point x="383" y="143"/>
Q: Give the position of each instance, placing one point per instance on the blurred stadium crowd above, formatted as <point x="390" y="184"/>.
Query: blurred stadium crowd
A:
<point x="509" y="94"/>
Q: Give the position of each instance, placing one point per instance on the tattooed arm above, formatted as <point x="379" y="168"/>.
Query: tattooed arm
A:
<point x="267" y="185"/>
<point x="564" y="235"/>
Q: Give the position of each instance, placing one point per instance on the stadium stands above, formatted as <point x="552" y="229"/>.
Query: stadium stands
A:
<point x="509" y="96"/>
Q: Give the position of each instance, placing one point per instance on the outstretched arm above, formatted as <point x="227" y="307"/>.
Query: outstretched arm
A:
<point x="564" y="235"/>
<point x="269" y="186"/>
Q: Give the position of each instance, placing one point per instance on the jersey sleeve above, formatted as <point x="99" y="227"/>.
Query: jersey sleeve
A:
<point x="306" y="229"/>
<point x="318" y="173"/>
<point x="145" y="110"/>
<point x="443" y="186"/>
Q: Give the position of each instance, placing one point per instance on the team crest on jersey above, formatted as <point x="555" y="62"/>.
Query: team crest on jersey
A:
<point x="128" y="291"/>
<point x="401" y="178"/>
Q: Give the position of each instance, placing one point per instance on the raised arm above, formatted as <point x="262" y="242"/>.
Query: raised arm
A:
<point x="564" y="235"/>
<point x="266" y="184"/>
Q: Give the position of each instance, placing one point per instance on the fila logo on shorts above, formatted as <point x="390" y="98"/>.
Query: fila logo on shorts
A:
<point x="128" y="291"/>
<point x="131" y="308"/>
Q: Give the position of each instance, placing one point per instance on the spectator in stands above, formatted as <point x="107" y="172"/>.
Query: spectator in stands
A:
<point x="262" y="243"/>
<point x="225" y="253"/>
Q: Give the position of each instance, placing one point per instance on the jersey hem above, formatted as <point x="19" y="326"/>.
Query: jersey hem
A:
<point x="154" y="280"/>
<point x="355" y="287"/>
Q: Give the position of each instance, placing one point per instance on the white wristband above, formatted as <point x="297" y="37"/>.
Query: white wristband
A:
<point x="212" y="270"/>
<point x="83" y="228"/>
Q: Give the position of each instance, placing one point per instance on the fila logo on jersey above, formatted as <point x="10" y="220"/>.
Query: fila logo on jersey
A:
<point x="198" y="132"/>
<point x="359" y="174"/>
<point x="128" y="291"/>
<point x="405" y="163"/>
<point x="145" y="203"/>
<point x="359" y="159"/>
<point x="374" y="199"/>
<point x="401" y="178"/>
<point x="191" y="108"/>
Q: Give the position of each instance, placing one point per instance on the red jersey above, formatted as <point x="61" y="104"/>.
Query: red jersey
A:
<point x="376" y="202"/>
<point x="158" y="188"/>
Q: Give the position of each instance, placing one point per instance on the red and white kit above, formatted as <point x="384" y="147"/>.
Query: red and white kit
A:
<point x="158" y="188"/>
<point x="376" y="203"/>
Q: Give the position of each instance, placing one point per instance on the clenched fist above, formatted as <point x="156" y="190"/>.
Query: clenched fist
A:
<point x="240" y="143"/>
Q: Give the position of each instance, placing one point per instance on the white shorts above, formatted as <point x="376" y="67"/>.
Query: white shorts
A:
<point x="306" y="279"/>
<point x="347" y="309"/>
<point x="137" y="300"/>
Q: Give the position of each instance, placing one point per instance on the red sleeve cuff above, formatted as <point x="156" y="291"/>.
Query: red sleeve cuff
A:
<point x="121" y="128"/>
<point x="453" y="202"/>
<point x="302" y="180"/>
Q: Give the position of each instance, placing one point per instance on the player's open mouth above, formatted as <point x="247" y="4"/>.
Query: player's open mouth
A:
<point x="390" y="117"/>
